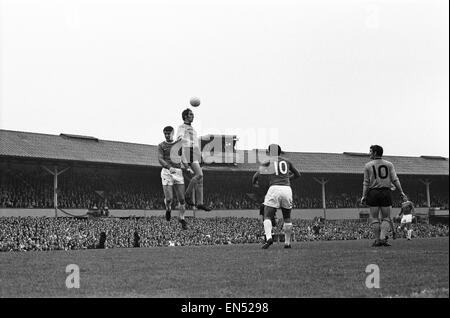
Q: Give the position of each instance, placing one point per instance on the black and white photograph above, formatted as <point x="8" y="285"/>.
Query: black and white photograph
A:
<point x="225" y="155"/>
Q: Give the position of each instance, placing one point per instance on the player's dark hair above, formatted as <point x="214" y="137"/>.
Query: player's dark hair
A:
<point x="185" y="113"/>
<point x="377" y="150"/>
<point x="168" y="129"/>
<point x="274" y="150"/>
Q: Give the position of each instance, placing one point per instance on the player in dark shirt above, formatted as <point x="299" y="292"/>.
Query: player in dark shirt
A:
<point x="379" y="176"/>
<point x="280" y="171"/>
<point x="171" y="174"/>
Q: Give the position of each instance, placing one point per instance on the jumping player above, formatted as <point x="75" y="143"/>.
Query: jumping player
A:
<point x="279" y="194"/>
<point x="191" y="155"/>
<point x="406" y="222"/>
<point x="171" y="174"/>
<point x="379" y="174"/>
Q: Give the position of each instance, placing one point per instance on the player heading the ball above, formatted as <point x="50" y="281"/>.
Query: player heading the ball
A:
<point x="191" y="156"/>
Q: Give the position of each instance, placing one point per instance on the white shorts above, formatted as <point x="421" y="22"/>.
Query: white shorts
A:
<point x="169" y="179"/>
<point x="279" y="196"/>
<point x="406" y="219"/>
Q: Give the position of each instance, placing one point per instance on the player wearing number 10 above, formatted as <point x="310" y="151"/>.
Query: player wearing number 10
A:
<point x="279" y="195"/>
<point x="379" y="174"/>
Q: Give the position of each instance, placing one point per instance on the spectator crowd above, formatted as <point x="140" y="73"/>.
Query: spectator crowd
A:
<point x="84" y="189"/>
<point x="43" y="233"/>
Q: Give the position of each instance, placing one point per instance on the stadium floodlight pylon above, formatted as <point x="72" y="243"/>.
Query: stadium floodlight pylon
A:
<point x="323" y="182"/>
<point x="55" y="174"/>
<point x="427" y="183"/>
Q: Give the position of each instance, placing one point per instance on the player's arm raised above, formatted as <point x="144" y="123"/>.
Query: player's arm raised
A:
<point x="180" y="134"/>
<point x="180" y="137"/>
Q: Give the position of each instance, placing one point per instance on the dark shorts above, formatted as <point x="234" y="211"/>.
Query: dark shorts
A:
<point x="379" y="197"/>
<point x="191" y="154"/>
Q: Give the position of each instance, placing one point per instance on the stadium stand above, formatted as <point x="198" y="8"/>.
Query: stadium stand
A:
<point x="128" y="175"/>
<point x="25" y="145"/>
<point x="31" y="187"/>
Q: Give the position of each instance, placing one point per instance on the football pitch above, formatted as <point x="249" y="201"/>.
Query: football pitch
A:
<point x="417" y="268"/>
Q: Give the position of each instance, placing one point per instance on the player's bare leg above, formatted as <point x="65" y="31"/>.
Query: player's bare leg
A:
<point x="385" y="224"/>
<point x="287" y="227"/>
<point x="393" y="230"/>
<point x="255" y="199"/>
<point x="186" y="154"/>
<point x="192" y="157"/>
<point x="375" y="224"/>
<point x="394" y="233"/>
<point x="269" y="212"/>
<point x="168" y="198"/>
<point x="261" y="212"/>
<point x="409" y="231"/>
<point x="402" y="228"/>
<point x="197" y="184"/>
<point x="193" y="182"/>
<point x="179" y="191"/>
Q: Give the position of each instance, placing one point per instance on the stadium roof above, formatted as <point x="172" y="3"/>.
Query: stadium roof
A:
<point x="93" y="150"/>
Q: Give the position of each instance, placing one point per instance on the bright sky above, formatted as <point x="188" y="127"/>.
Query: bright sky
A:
<point x="315" y="76"/>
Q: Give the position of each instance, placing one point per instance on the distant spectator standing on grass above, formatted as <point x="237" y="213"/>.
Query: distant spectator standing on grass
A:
<point x="137" y="239"/>
<point x="406" y="213"/>
<point x="379" y="174"/>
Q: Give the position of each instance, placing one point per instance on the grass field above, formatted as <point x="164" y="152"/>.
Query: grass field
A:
<point x="417" y="268"/>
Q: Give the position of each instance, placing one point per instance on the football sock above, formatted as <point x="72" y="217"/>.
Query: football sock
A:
<point x="287" y="227"/>
<point x="268" y="228"/>
<point x="190" y="187"/>
<point x="391" y="224"/>
<point x="182" y="210"/>
<point x="168" y="206"/>
<point x="409" y="234"/>
<point x="385" y="227"/>
<point x="376" y="230"/>
<point x="199" y="192"/>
